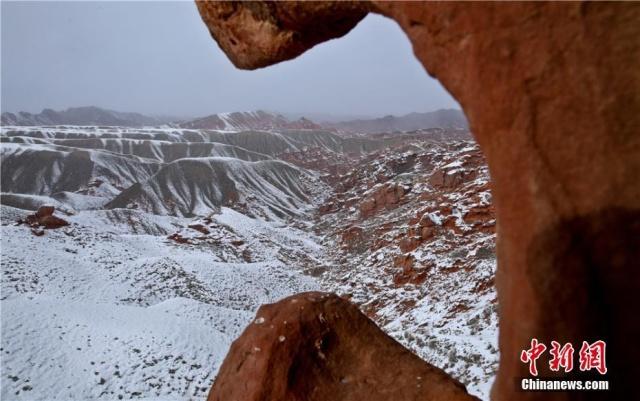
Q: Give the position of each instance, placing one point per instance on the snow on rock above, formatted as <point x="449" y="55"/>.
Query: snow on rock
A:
<point x="420" y="262"/>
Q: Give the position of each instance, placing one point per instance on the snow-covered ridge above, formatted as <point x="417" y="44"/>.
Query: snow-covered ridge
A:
<point x="248" y="120"/>
<point x="45" y="169"/>
<point x="271" y="142"/>
<point x="195" y="186"/>
<point x="89" y="167"/>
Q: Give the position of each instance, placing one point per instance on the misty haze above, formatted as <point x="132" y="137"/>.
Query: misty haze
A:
<point x="157" y="59"/>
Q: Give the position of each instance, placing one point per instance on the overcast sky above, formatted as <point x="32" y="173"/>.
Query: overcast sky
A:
<point x="158" y="58"/>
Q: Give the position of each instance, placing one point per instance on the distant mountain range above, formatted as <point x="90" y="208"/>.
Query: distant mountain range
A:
<point x="238" y="121"/>
<point x="89" y="115"/>
<point x="248" y="120"/>
<point x="444" y="118"/>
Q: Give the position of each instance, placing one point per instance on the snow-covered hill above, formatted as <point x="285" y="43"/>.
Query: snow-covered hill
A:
<point x="122" y="303"/>
<point x="195" y="186"/>
<point x="177" y="235"/>
<point x="97" y="311"/>
<point x="248" y="120"/>
<point x="444" y="118"/>
<point x="44" y="169"/>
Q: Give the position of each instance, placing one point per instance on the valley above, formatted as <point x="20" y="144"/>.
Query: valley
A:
<point x="178" y="233"/>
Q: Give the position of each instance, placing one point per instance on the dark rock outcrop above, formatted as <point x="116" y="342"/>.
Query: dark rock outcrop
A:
<point x="316" y="346"/>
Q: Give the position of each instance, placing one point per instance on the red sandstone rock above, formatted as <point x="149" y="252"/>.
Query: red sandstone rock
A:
<point x="257" y="34"/>
<point x="178" y="238"/>
<point x="315" y="347"/>
<point x="426" y="221"/>
<point x="44" y="211"/>
<point x="52" y="222"/>
<point x="409" y="243"/>
<point x="43" y="217"/>
<point x="478" y="214"/>
<point x="383" y="196"/>
<point x="450" y="178"/>
<point x="367" y="207"/>
<point x="551" y="94"/>
<point x="353" y="238"/>
<point x="199" y="227"/>
<point x="427" y="233"/>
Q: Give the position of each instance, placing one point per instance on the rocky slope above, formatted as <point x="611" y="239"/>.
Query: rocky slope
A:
<point x="411" y="239"/>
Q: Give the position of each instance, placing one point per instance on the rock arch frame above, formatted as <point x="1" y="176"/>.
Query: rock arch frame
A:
<point x="552" y="95"/>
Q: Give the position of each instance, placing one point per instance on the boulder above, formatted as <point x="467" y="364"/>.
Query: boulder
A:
<point x="51" y="222"/>
<point x="44" y="217"/>
<point x="316" y="347"/>
<point x="44" y="211"/>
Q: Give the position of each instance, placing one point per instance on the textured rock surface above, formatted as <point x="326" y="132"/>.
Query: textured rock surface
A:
<point x="304" y="348"/>
<point x="257" y="34"/>
<point x="43" y="217"/>
<point x="552" y="94"/>
<point x="424" y="269"/>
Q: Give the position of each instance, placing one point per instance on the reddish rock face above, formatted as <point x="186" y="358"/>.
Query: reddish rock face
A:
<point x="384" y="196"/>
<point x="44" y="211"/>
<point x="199" y="227"/>
<point x="52" y="222"/>
<point x="316" y="346"/>
<point x="551" y="92"/>
<point x="43" y="217"/>
<point x="353" y="237"/>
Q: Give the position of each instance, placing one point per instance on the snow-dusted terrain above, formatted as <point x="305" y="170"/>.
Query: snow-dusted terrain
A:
<point x="177" y="235"/>
<point x="422" y="263"/>
<point x="95" y="311"/>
